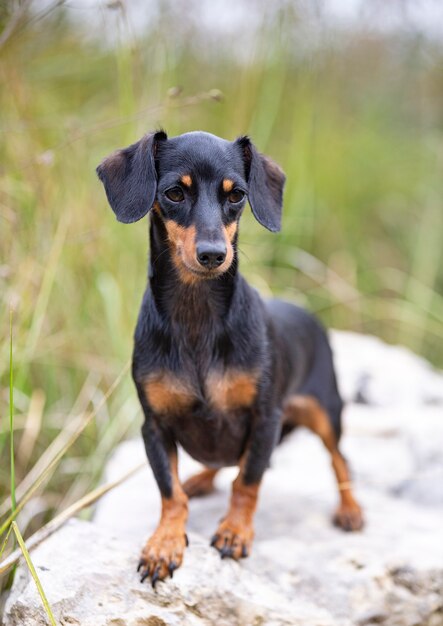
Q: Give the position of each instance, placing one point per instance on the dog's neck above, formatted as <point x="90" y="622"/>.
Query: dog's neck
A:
<point x="193" y="305"/>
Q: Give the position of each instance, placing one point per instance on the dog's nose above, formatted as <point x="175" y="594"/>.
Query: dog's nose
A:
<point x="211" y="255"/>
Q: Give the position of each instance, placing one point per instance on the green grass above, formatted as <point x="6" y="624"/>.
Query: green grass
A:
<point x="11" y="418"/>
<point x="34" y="575"/>
<point x="356" y="124"/>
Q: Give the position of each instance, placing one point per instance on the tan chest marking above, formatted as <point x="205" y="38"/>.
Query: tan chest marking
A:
<point x="168" y="394"/>
<point x="231" y="390"/>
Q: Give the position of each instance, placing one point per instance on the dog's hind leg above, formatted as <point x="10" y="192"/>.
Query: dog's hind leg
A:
<point x="200" y="484"/>
<point x="307" y="411"/>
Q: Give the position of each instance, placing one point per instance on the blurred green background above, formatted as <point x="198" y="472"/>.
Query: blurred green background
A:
<point x="351" y="109"/>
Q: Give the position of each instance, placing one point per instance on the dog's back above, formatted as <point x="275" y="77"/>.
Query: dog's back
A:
<point x="305" y="359"/>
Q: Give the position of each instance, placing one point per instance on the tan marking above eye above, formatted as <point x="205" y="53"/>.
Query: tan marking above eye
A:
<point x="168" y="394"/>
<point x="232" y="389"/>
<point x="228" y="185"/>
<point x="186" y="180"/>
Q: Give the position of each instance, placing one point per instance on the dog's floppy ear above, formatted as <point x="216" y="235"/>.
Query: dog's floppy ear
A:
<point x="130" y="178"/>
<point x="265" y="181"/>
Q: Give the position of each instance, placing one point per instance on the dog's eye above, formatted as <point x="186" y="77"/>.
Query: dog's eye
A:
<point x="236" y="196"/>
<point x="175" y="194"/>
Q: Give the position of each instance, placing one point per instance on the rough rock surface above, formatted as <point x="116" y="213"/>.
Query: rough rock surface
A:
<point x="302" y="570"/>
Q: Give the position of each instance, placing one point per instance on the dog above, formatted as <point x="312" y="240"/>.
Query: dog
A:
<point x="217" y="369"/>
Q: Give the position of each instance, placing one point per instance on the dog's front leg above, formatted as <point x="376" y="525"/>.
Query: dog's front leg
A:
<point x="235" y="533"/>
<point x="163" y="552"/>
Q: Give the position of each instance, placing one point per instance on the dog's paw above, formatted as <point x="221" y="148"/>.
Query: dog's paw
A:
<point x="349" y="516"/>
<point x="200" y="484"/>
<point x="161" y="556"/>
<point x="233" y="541"/>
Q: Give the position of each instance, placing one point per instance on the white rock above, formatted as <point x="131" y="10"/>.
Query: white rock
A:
<point x="385" y="375"/>
<point x="90" y="579"/>
<point x="302" y="570"/>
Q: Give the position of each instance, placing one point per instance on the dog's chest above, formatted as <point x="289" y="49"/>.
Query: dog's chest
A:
<point x="210" y="418"/>
<point x="221" y="391"/>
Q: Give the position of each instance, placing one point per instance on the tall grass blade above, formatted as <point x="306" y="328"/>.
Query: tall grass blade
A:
<point x="11" y="416"/>
<point x="5" y="541"/>
<point x="31" y="567"/>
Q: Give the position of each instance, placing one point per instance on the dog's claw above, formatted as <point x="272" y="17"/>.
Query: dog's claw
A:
<point x="226" y="552"/>
<point x="172" y="567"/>
<point x="214" y="540"/>
<point x="155" y="576"/>
<point x="244" y="552"/>
<point x="186" y="540"/>
<point x="140" y="565"/>
<point x="144" y="575"/>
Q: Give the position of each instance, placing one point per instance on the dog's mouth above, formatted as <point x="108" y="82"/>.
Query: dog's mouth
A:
<point x="202" y="272"/>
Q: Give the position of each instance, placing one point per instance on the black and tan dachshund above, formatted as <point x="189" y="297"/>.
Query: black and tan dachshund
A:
<point x="217" y="370"/>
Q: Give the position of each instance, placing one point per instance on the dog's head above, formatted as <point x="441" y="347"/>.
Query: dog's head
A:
<point x="198" y="185"/>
